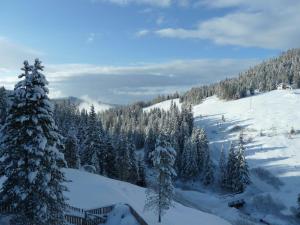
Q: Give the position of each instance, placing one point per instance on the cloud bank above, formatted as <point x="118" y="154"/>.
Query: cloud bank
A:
<point x="249" y="23"/>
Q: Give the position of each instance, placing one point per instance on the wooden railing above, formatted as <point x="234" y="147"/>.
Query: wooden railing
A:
<point x="85" y="217"/>
<point x="138" y="218"/>
<point x="100" y="211"/>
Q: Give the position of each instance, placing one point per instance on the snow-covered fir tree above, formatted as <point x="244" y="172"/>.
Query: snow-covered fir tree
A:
<point x="3" y="105"/>
<point x="242" y="167"/>
<point x="141" y="174"/>
<point x="71" y="150"/>
<point x="93" y="143"/>
<point x="231" y="168"/>
<point x="160" y="194"/>
<point x="199" y="138"/>
<point x="133" y="165"/>
<point x="208" y="170"/>
<point x="189" y="166"/>
<point x="237" y="168"/>
<point x="109" y="159"/>
<point x="222" y="169"/>
<point x="31" y="155"/>
<point x="149" y="146"/>
<point x="126" y="161"/>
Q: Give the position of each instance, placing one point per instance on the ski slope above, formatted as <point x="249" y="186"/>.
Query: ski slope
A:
<point x="266" y="120"/>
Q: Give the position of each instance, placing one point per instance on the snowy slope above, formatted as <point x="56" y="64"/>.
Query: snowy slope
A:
<point x="165" y="105"/>
<point x="91" y="191"/>
<point x="266" y="120"/>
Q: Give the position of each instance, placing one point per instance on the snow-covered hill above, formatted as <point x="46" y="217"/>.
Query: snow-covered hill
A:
<point x="165" y="105"/>
<point x="266" y="120"/>
<point x="91" y="191"/>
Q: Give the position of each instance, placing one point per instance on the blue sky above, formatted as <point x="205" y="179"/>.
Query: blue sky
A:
<point x="121" y="51"/>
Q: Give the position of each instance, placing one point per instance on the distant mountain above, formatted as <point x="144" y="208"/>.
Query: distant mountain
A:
<point x="85" y="103"/>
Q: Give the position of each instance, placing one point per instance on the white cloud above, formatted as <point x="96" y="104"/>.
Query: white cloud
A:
<point x="142" y="33"/>
<point x="265" y="24"/>
<point x="88" y="102"/>
<point x="90" y="38"/>
<point x="136" y="82"/>
<point x="158" y="3"/>
<point x="13" y="54"/>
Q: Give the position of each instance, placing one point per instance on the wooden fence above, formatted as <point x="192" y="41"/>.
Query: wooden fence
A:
<point x="138" y="218"/>
<point x="85" y="217"/>
<point x="101" y="211"/>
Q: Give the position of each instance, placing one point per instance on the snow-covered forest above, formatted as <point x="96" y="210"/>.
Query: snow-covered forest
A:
<point x="263" y="77"/>
<point x="157" y="148"/>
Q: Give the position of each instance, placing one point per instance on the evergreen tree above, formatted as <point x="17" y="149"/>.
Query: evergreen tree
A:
<point x="127" y="165"/>
<point x="222" y="169"/>
<point x="141" y="174"/>
<point x="189" y="167"/>
<point x="71" y="150"/>
<point x="133" y="166"/>
<point x="3" y="105"/>
<point x="237" y="168"/>
<point x="160" y="196"/>
<point x="242" y="172"/>
<point x="199" y="138"/>
<point x="149" y="145"/>
<point x="93" y="143"/>
<point x="109" y="158"/>
<point x="30" y="154"/>
<point x="208" y="170"/>
<point x="231" y="168"/>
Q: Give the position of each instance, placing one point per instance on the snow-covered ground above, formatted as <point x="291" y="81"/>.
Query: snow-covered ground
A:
<point x="165" y="105"/>
<point x="266" y="120"/>
<point x="91" y="191"/>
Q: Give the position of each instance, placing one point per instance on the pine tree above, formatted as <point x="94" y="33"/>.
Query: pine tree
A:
<point x="189" y="167"/>
<point x="93" y="143"/>
<point x="231" y="168"/>
<point x="149" y="145"/>
<point x="199" y="138"/>
<point x="242" y="173"/>
<point x="3" y="105"/>
<point x="237" y="168"/>
<point x="208" y="170"/>
<point x="71" y="149"/>
<point x="109" y="158"/>
<point x="133" y="166"/>
<point x="160" y="195"/>
<point x="127" y="165"/>
<point x="30" y="154"/>
<point x="141" y="174"/>
<point x="222" y="169"/>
